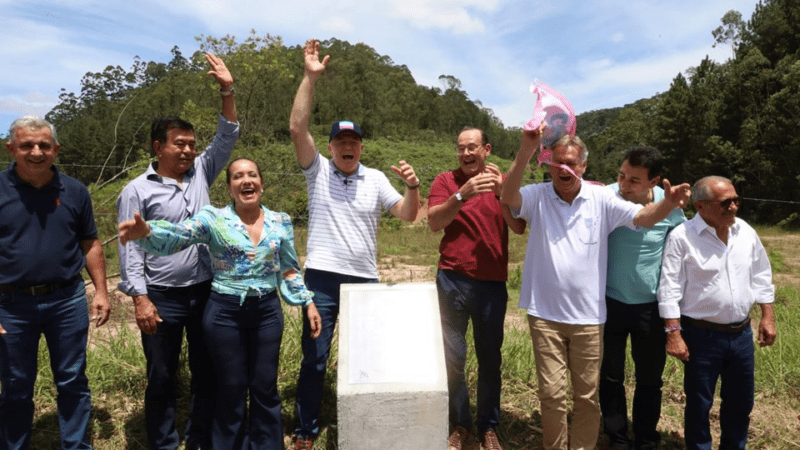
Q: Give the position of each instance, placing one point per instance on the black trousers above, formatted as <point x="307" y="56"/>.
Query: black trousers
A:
<point x="648" y="347"/>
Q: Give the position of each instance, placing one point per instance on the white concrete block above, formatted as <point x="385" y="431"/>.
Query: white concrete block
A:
<point x="392" y="381"/>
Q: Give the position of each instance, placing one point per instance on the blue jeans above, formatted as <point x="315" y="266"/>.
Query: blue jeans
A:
<point x="648" y="348"/>
<point x="244" y="342"/>
<point x="460" y="299"/>
<point x="63" y="317"/>
<point x="717" y="355"/>
<point x="180" y="308"/>
<point x="325" y="286"/>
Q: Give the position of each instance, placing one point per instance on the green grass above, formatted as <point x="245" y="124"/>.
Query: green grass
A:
<point x="117" y="379"/>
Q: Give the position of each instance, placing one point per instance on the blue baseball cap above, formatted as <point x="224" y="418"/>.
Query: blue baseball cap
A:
<point x="344" y="125"/>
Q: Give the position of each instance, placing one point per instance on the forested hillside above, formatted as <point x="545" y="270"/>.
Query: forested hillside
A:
<point x="739" y="119"/>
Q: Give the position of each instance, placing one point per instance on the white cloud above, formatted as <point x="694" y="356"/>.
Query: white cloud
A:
<point x="452" y="15"/>
<point x="337" y="25"/>
<point x="34" y="103"/>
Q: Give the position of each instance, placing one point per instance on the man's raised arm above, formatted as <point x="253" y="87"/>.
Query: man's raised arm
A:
<point x="530" y="143"/>
<point x="304" y="146"/>
<point x="223" y="76"/>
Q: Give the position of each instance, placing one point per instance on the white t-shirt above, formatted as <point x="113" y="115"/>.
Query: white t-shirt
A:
<point x="564" y="277"/>
<point x="343" y="217"/>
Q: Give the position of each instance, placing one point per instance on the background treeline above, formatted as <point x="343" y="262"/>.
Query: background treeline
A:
<point x="737" y="119"/>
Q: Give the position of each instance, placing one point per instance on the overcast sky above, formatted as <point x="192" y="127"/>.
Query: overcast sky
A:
<point x="599" y="54"/>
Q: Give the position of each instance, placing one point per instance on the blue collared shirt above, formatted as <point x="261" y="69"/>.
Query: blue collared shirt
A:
<point x="240" y="268"/>
<point x="162" y="198"/>
<point x="41" y="229"/>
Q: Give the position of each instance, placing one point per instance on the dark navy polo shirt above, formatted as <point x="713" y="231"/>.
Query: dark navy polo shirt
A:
<point x="41" y="229"/>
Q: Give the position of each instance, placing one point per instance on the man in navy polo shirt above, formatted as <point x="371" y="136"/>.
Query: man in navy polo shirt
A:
<point x="471" y="280"/>
<point x="171" y="292"/>
<point x="47" y="235"/>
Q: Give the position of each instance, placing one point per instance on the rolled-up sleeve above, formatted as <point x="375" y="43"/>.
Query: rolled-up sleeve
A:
<point x="763" y="288"/>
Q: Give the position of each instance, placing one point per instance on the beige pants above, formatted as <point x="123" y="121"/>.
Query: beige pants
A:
<point x="558" y="348"/>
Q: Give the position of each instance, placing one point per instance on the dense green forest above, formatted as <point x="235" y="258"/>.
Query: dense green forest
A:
<point x="738" y="118"/>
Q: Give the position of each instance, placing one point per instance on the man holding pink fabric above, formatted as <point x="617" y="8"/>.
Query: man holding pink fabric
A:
<point x="564" y="278"/>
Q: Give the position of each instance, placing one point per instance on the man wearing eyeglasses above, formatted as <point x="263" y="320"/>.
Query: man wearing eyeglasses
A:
<point x="471" y="281"/>
<point x="714" y="269"/>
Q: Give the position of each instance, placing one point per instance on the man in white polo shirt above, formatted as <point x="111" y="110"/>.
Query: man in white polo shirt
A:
<point x="564" y="278"/>
<point x="345" y="200"/>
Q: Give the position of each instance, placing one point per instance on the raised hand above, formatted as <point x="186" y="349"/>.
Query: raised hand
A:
<point x="531" y="141"/>
<point x="406" y="172"/>
<point x="677" y="196"/>
<point x="312" y="63"/>
<point x="133" y="229"/>
<point x="219" y="72"/>
<point x="496" y="176"/>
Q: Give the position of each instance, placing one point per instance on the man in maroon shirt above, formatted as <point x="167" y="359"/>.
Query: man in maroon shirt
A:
<point x="473" y="269"/>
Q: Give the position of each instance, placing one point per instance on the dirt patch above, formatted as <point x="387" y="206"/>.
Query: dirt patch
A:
<point x="789" y="248"/>
<point x="390" y="270"/>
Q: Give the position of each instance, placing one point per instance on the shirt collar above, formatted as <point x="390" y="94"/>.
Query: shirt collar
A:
<point x="15" y="180"/>
<point x="583" y="194"/>
<point x="359" y="173"/>
<point x="151" y="173"/>
<point x="699" y="225"/>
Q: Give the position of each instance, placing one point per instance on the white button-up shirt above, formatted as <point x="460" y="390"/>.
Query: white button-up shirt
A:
<point x="703" y="278"/>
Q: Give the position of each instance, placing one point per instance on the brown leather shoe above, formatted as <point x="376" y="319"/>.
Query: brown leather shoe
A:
<point x="490" y="441"/>
<point x="457" y="438"/>
<point x="303" y="443"/>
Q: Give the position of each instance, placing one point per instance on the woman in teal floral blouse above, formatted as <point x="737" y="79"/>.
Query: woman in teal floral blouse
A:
<point x="254" y="261"/>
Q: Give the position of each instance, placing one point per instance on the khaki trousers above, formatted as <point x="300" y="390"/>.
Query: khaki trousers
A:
<point x="558" y="348"/>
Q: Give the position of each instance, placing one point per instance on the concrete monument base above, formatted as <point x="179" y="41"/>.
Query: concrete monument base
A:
<point x="392" y="381"/>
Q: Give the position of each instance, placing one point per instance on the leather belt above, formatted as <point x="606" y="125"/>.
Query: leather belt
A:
<point x="39" y="289"/>
<point x="724" y="327"/>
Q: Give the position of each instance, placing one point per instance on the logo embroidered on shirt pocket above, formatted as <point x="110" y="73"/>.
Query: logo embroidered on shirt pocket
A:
<point x="588" y="230"/>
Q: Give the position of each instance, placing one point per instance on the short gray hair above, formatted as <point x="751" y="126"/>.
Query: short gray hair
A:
<point x="701" y="191"/>
<point x="573" y="141"/>
<point x="29" y="121"/>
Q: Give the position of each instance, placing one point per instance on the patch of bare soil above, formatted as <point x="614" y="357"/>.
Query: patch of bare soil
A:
<point x="390" y="270"/>
<point x="122" y="314"/>
<point x="789" y="248"/>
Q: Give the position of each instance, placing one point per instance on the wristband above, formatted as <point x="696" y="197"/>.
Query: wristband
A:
<point x="676" y="327"/>
<point x="225" y="93"/>
<point x="412" y="187"/>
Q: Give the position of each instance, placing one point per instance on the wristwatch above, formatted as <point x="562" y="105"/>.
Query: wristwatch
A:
<point x="459" y="197"/>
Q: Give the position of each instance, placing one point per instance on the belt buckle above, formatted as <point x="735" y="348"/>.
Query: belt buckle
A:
<point x="40" y="289"/>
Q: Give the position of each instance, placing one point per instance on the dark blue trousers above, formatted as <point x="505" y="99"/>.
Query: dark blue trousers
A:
<point x="181" y="309"/>
<point x="484" y="302"/>
<point x="245" y="342"/>
<point x="63" y="317"/>
<point x="718" y="355"/>
<point x="325" y="286"/>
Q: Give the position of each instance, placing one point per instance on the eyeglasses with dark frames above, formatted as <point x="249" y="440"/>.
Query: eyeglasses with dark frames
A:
<point x="727" y="202"/>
